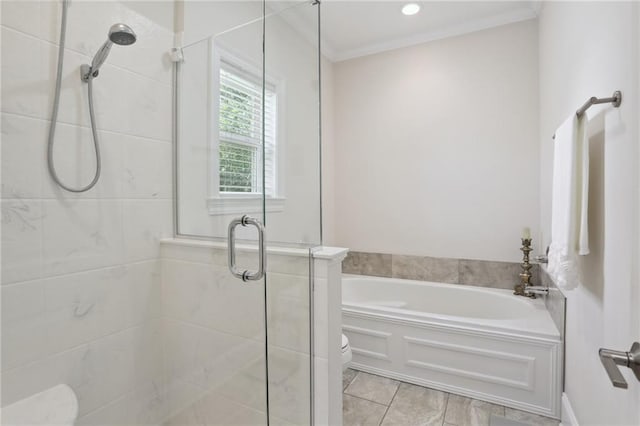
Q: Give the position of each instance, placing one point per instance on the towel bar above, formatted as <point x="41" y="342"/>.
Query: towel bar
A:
<point x="614" y="100"/>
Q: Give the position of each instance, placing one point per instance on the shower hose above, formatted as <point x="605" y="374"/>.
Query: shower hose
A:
<point x="54" y="116"/>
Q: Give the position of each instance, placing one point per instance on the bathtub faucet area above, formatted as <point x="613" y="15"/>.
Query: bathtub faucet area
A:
<point x="521" y="289"/>
<point x="532" y="290"/>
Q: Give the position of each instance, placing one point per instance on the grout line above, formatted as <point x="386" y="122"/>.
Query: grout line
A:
<point x="78" y="198"/>
<point x="364" y="399"/>
<point x="88" y="344"/>
<point x="390" y="402"/>
<point x="446" y="407"/>
<point x="125" y="264"/>
<point x="351" y="381"/>
<point x="87" y="55"/>
<point x="344" y="391"/>
<point x="86" y="127"/>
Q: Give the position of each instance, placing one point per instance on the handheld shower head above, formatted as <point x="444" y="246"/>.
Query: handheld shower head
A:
<point x="120" y="34"/>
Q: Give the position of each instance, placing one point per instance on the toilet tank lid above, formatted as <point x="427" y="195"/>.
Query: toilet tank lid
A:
<point x="345" y="341"/>
<point x="55" y="406"/>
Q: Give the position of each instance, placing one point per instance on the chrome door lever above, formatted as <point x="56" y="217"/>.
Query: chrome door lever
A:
<point x="611" y="359"/>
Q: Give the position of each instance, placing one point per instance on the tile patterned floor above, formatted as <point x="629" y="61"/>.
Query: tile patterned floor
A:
<point x="370" y="400"/>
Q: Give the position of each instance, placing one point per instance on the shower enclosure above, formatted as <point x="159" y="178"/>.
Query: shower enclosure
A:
<point x="158" y="297"/>
<point x="248" y="183"/>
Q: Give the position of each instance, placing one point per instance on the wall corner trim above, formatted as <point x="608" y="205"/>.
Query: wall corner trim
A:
<point x="568" y="417"/>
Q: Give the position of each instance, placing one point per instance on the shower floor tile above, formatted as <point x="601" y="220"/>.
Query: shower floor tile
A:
<point x="373" y="400"/>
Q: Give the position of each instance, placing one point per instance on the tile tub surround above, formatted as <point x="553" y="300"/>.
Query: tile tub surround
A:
<point x="361" y="263"/>
<point x="451" y="271"/>
<point x="80" y="272"/>
<point x="366" y="402"/>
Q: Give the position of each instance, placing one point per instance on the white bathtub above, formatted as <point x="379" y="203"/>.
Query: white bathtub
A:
<point x="484" y="343"/>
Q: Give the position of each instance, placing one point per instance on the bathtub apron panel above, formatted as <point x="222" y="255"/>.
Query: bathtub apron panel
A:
<point x="509" y="365"/>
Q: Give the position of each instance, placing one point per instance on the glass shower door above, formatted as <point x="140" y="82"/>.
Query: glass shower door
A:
<point x="292" y="203"/>
<point x="247" y="206"/>
<point x="216" y="326"/>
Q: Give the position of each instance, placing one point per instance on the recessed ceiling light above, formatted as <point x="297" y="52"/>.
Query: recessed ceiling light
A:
<point x="410" y="9"/>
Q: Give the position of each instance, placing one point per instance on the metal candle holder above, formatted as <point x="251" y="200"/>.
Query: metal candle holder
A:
<point x="525" y="275"/>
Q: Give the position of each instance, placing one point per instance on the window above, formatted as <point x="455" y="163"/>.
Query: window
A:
<point x="237" y="110"/>
<point x="240" y="149"/>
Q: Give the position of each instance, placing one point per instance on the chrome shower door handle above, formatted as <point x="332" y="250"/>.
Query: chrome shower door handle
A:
<point x="246" y="275"/>
<point x="612" y="359"/>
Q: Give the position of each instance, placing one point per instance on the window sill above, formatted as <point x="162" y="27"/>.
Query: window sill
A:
<point x="235" y="205"/>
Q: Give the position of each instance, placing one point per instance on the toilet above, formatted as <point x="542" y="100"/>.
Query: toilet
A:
<point x="346" y="353"/>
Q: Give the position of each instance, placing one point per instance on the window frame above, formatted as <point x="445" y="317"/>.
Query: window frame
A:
<point x="220" y="203"/>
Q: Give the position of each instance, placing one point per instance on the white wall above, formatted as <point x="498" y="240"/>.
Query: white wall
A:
<point x="575" y="64"/>
<point x="80" y="290"/>
<point x="436" y="147"/>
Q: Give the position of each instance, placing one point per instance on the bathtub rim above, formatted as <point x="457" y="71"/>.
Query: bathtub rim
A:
<point x="497" y="327"/>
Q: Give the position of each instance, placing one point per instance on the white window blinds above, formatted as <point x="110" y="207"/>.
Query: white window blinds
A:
<point x="240" y="133"/>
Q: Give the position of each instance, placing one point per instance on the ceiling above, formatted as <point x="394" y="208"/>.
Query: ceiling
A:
<point x="356" y="28"/>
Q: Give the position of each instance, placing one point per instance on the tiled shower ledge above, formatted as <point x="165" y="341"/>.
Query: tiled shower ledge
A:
<point x="320" y="252"/>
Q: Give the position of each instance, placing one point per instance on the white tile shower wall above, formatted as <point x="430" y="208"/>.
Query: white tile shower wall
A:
<point x="80" y="275"/>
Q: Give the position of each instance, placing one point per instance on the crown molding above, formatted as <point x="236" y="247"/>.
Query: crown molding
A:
<point x="301" y="25"/>
<point x="450" y="31"/>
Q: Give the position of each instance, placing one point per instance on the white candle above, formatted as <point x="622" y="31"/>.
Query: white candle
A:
<point x="526" y="233"/>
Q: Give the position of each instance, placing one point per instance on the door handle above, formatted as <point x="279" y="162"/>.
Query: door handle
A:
<point x="246" y="275"/>
<point x="612" y="359"/>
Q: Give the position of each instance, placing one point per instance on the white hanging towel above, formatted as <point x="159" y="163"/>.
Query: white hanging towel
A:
<point x="569" y="225"/>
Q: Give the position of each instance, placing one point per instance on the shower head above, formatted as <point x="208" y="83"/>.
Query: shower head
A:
<point x="120" y="34"/>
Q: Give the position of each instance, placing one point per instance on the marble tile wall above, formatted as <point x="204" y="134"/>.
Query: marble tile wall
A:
<point x="452" y="271"/>
<point x="80" y="272"/>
